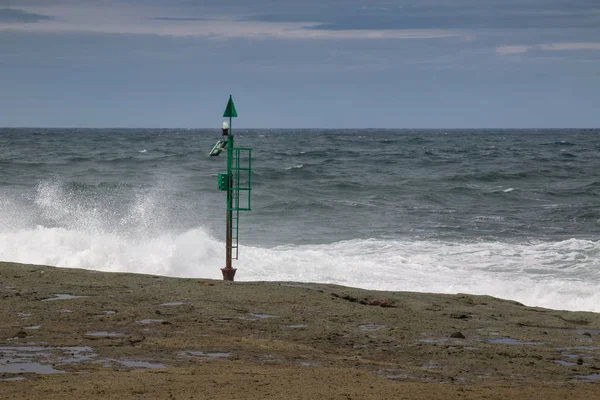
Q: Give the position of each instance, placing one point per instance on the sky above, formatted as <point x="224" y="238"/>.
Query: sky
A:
<point x="300" y="63"/>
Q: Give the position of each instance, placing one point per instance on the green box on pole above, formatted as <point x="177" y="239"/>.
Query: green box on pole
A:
<point x="223" y="182"/>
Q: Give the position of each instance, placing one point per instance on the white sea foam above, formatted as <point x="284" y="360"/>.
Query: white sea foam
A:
<point x="562" y="275"/>
<point x="297" y="166"/>
<point x="68" y="232"/>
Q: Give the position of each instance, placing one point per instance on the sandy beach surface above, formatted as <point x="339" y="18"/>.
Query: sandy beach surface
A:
<point x="83" y="334"/>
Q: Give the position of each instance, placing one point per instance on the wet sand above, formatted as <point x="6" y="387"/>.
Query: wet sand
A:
<point x="68" y="333"/>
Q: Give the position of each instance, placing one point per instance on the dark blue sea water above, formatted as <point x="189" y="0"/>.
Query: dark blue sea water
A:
<point x="510" y="213"/>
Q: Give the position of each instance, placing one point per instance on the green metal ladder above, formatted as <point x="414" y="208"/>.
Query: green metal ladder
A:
<point x="241" y="186"/>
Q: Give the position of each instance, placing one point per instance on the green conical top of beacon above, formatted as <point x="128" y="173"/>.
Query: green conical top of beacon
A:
<point x="230" y="109"/>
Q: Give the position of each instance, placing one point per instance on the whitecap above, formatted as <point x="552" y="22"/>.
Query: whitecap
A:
<point x="298" y="166"/>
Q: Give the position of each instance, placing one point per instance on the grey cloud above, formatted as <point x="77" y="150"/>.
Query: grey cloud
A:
<point x="15" y="15"/>
<point x="183" y="19"/>
<point x="440" y="17"/>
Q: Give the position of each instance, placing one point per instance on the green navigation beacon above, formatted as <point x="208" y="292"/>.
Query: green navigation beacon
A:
<point x="237" y="182"/>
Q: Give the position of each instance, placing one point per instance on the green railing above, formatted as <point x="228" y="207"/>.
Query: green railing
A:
<point x="241" y="187"/>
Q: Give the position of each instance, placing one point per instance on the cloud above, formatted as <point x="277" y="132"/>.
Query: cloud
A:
<point x="231" y="29"/>
<point x="483" y="22"/>
<point x="571" y="46"/>
<point x="20" y="16"/>
<point x="521" y="49"/>
<point x="434" y="15"/>
<point x="509" y="50"/>
<point x="182" y="19"/>
<point x="143" y="21"/>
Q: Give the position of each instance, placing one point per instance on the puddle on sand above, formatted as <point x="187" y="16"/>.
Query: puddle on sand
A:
<point x="512" y="341"/>
<point x="105" y="334"/>
<point x="76" y="354"/>
<point x="565" y="363"/>
<point x="201" y="354"/>
<point x="173" y="304"/>
<point x="150" y="321"/>
<point x="32" y="327"/>
<point x="371" y="327"/>
<point x="431" y="366"/>
<point x="66" y="311"/>
<point x="589" y="378"/>
<point x="484" y="332"/>
<point x="63" y="297"/>
<point x="23" y="314"/>
<point x="264" y="316"/>
<point x="28" y="368"/>
<point x="577" y="348"/>
<point x="23" y="348"/>
<point x="272" y="359"/>
<point x="397" y="377"/>
<point x="307" y="364"/>
<point x="568" y="355"/>
<point x="40" y="360"/>
<point x="433" y="340"/>
<point x="16" y="378"/>
<point x="109" y="312"/>
<point x="301" y="326"/>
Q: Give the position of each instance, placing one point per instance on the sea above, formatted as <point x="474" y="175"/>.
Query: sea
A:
<point x="513" y="214"/>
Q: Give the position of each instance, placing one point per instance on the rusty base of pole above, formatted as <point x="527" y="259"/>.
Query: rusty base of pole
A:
<point x="228" y="273"/>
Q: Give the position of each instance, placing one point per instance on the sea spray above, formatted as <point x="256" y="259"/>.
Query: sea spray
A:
<point x="503" y="213"/>
<point x="534" y="274"/>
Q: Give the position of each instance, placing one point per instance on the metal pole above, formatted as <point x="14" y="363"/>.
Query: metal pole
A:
<point x="228" y="271"/>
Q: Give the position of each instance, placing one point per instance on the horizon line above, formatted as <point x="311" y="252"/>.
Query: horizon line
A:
<point x="297" y="128"/>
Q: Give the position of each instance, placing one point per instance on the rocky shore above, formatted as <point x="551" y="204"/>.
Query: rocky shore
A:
<point x="67" y="334"/>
